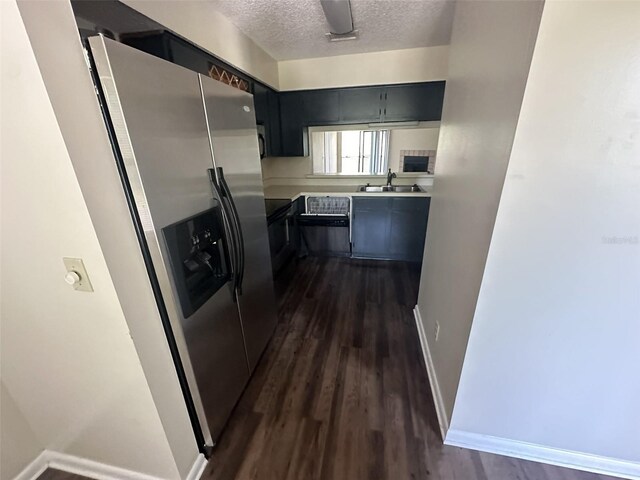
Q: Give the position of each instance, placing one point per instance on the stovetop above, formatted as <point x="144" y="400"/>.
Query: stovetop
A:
<point x="272" y="205"/>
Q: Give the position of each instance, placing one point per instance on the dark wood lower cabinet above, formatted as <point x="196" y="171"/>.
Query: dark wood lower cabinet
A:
<point x="408" y="228"/>
<point x="389" y="228"/>
<point x="371" y="223"/>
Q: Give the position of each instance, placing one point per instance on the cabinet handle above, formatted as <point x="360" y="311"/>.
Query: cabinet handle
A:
<point x="385" y="110"/>
<point x="385" y="95"/>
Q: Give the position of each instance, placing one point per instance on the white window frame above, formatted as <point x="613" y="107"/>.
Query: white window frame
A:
<point x="343" y="128"/>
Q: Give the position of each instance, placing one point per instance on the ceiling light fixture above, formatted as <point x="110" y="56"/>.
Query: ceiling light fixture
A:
<point x="338" y="14"/>
<point x="341" y="37"/>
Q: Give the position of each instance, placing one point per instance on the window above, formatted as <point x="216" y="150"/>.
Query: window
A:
<point x="350" y="152"/>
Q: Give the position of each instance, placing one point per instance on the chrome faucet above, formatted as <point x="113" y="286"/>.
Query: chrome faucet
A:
<point x="390" y="177"/>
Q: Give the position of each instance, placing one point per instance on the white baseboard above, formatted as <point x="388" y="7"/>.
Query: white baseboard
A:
<point x="514" y="448"/>
<point x="93" y="469"/>
<point x="441" y="412"/>
<point x="542" y="454"/>
<point x="198" y="467"/>
<point x="35" y="468"/>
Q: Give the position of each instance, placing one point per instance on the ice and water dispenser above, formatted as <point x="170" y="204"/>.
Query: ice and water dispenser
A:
<point x="198" y="258"/>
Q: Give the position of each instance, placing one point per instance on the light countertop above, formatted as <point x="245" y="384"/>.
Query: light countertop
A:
<point x="292" y="192"/>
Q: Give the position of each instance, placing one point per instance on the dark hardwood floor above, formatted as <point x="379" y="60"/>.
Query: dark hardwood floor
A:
<point x="342" y="393"/>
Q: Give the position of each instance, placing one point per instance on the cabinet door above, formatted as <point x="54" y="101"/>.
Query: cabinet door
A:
<point x="157" y="44"/>
<point x="274" y="141"/>
<point x="260" y="103"/>
<point x="267" y="110"/>
<point x="298" y="208"/>
<point x="409" y="218"/>
<point x="293" y="131"/>
<point x="321" y="107"/>
<point x="360" y="105"/>
<point x="277" y="237"/>
<point x="416" y="102"/>
<point x="188" y="56"/>
<point x="370" y="228"/>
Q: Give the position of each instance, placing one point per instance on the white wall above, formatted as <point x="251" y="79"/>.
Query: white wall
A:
<point x="68" y="360"/>
<point x="200" y="23"/>
<point x="79" y="120"/>
<point x="410" y="139"/>
<point x="286" y="167"/>
<point x="375" y="68"/>
<point x="18" y="443"/>
<point x="490" y="53"/>
<point x="554" y="350"/>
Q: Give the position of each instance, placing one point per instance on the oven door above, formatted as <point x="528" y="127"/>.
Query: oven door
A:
<point x="325" y="235"/>
<point x="281" y="238"/>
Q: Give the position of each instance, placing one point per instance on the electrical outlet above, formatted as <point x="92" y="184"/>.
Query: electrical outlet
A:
<point x="437" y="331"/>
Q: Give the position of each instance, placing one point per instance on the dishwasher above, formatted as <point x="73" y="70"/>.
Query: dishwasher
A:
<point x="325" y="227"/>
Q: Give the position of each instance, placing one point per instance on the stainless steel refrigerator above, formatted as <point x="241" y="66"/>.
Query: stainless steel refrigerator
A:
<point x="187" y="149"/>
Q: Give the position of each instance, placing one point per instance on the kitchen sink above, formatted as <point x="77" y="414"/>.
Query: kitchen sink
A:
<point x="393" y="188"/>
<point x="406" y="188"/>
<point x="374" y="188"/>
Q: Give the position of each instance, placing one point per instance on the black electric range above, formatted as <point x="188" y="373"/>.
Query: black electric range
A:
<point x="275" y="205"/>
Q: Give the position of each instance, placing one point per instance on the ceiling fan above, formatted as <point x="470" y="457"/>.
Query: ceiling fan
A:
<point x="340" y="20"/>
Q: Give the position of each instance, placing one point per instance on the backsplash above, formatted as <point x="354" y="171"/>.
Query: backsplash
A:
<point x="428" y="157"/>
<point x="278" y="171"/>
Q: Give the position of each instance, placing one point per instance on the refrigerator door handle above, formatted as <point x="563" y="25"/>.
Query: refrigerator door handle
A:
<point x="229" y="232"/>
<point x="236" y="217"/>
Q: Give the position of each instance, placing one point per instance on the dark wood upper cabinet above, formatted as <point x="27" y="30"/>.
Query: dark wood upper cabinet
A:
<point x="413" y="102"/>
<point x="274" y="138"/>
<point x="293" y="125"/>
<point x="184" y="54"/>
<point x="360" y="104"/>
<point x="348" y="106"/>
<point x="321" y="107"/>
<point x="409" y="217"/>
<point x="261" y="103"/>
<point x="345" y="106"/>
<point x="267" y="108"/>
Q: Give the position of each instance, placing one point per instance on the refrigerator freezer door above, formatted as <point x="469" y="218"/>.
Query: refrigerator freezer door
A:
<point x="158" y="119"/>
<point x="234" y="141"/>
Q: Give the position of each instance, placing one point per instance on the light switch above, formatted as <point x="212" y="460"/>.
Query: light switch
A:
<point x="77" y="275"/>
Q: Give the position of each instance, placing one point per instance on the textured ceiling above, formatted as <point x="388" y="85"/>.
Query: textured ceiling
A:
<point x="289" y="29"/>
